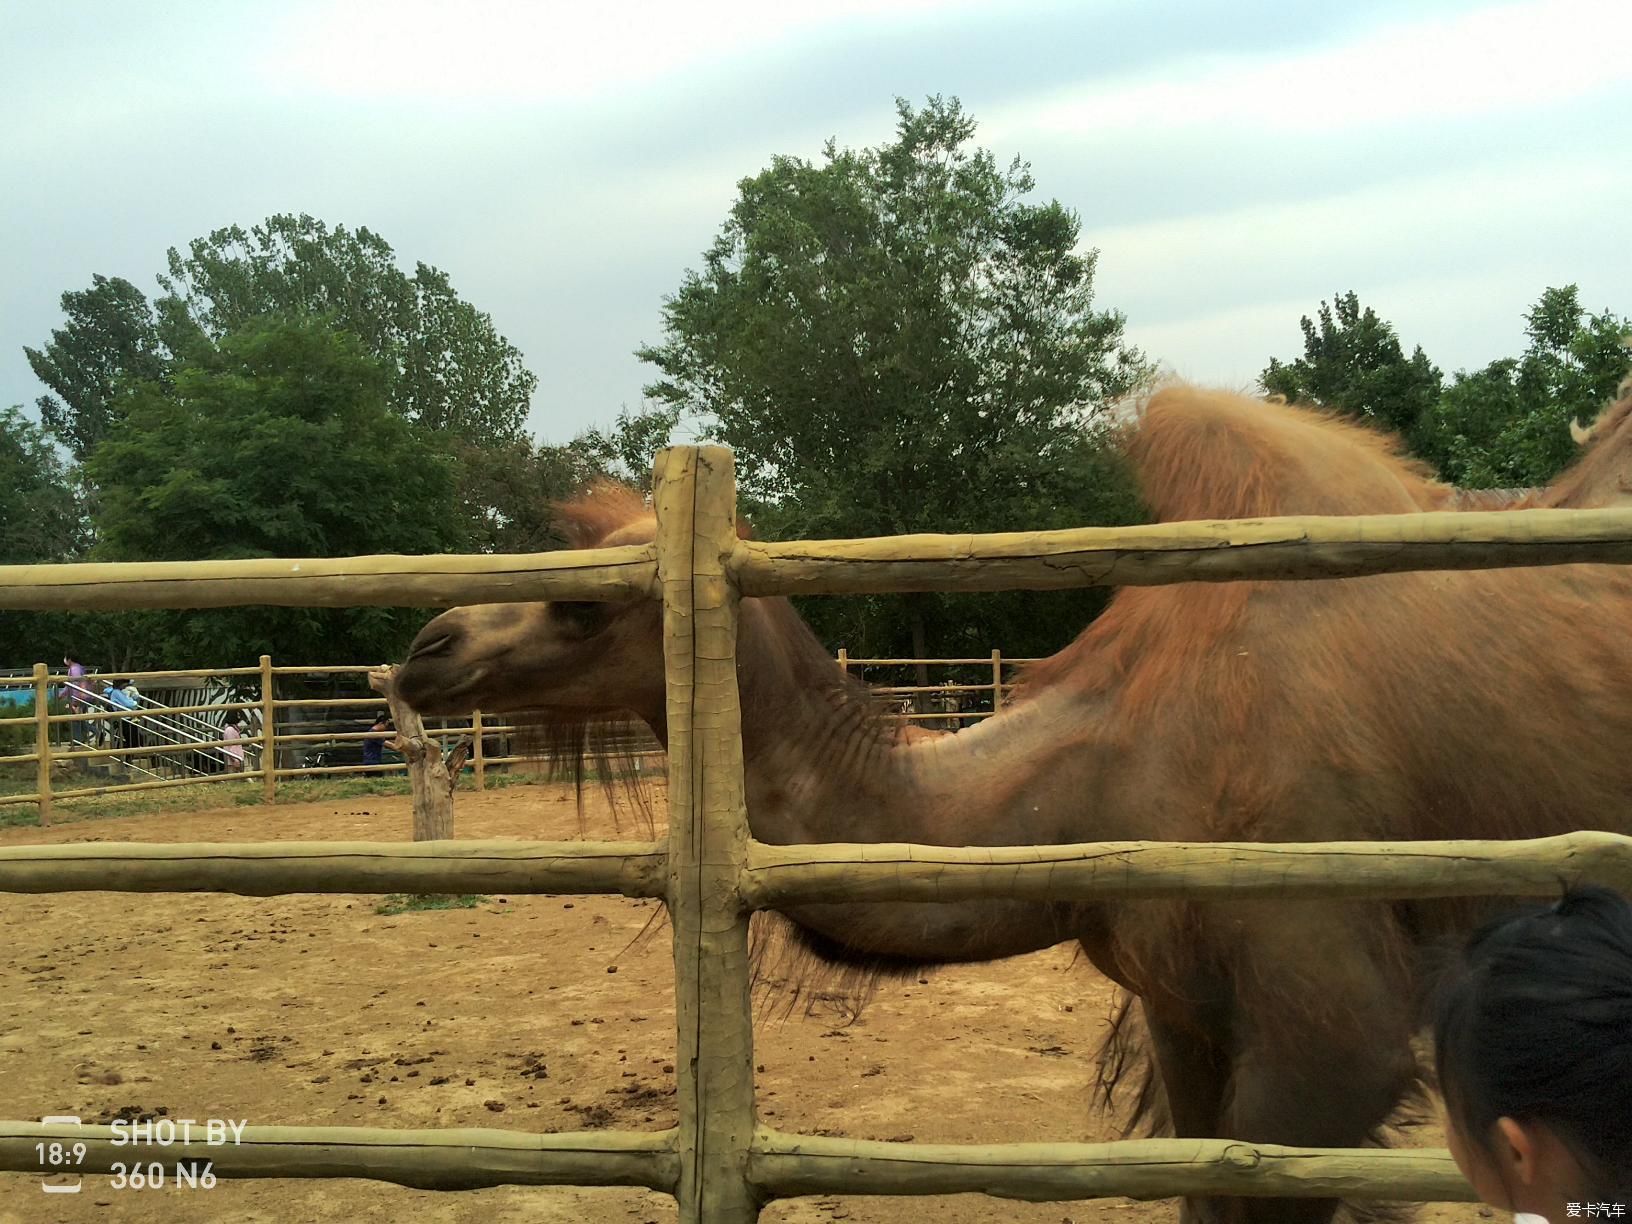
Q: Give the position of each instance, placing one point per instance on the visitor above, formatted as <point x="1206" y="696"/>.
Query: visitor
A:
<point x="234" y="748"/>
<point x="79" y="697"/>
<point x="1533" y="1043"/>
<point x="76" y="674"/>
<point x="374" y="746"/>
<point x="121" y="695"/>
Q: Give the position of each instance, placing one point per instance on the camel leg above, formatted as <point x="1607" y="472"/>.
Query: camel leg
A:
<point x="1322" y="1051"/>
<point x="1194" y="1073"/>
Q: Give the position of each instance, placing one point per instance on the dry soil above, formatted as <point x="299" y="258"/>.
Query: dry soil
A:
<point x="535" y="1013"/>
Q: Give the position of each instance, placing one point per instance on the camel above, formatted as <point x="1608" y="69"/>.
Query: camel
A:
<point x="1480" y="704"/>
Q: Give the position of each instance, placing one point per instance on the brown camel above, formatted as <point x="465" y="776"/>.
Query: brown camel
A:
<point x="1485" y="704"/>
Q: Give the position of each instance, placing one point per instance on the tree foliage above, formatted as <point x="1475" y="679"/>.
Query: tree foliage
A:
<point x="896" y="340"/>
<point x="1507" y="425"/>
<point x="111" y="333"/>
<point x="625" y="448"/>
<point x="446" y="366"/>
<point x="448" y="369"/>
<point x="507" y="493"/>
<point x="39" y="506"/>
<point x="1352" y="361"/>
<point x="276" y="442"/>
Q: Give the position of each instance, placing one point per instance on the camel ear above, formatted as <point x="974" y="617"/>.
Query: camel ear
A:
<point x="1581" y="435"/>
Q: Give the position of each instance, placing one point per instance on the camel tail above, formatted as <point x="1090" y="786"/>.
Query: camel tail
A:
<point x="1128" y="1084"/>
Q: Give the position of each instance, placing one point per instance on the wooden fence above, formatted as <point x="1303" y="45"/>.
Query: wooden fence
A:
<point x="719" y="1162"/>
<point x="263" y="748"/>
<point x="950" y="704"/>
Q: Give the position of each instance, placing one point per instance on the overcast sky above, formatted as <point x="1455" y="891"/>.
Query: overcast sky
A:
<point x="565" y="163"/>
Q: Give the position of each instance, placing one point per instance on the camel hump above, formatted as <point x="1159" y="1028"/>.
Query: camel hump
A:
<point x="1200" y="453"/>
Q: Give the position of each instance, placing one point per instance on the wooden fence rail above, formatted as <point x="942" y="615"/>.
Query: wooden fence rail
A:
<point x="1222" y="550"/>
<point x="450" y="1159"/>
<point x="48" y="786"/>
<point x="720" y="1166"/>
<point x="273" y="710"/>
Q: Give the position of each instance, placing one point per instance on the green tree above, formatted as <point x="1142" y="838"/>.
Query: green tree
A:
<point x="39" y="507"/>
<point x="507" y="493"/>
<point x="41" y="521"/>
<point x="446" y="366"/>
<point x="276" y="442"/>
<point x="1507" y="425"/>
<point x="448" y="369"/>
<point x="111" y="333"/>
<point x="626" y="448"/>
<point x="895" y="340"/>
<point x="1352" y="362"/>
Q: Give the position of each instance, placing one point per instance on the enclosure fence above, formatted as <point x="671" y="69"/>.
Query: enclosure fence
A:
<point x="196" y="754"/>
<point x="719" y="1162"/>
<point x="125" y="746"/>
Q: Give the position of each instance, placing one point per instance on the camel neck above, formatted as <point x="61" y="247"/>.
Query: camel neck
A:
<point x="819" y="768"/>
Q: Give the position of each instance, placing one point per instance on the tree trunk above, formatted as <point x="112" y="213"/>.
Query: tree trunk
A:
<point x="428" y="773"/>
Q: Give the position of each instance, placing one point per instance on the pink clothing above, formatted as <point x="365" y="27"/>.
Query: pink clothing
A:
<point x="234" y="750"/>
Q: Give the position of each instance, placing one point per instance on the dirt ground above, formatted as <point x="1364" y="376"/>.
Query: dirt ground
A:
<point x="531" y="1013"/>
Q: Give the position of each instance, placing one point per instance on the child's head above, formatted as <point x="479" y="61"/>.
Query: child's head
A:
<point x="1533" y="1041"/>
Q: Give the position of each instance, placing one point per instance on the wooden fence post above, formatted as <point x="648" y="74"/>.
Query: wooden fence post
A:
<point x="997" y="681"/>
<point x="269" y="733"/>
<point x="477" y="753"/>
<point x="844" y="660"/>
<point x="42" y="740"/>
<point x="431" y="776"/>
<point x="695" y="497"/>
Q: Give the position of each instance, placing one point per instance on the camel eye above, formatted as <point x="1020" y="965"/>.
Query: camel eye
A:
<point x="582" y="618"/>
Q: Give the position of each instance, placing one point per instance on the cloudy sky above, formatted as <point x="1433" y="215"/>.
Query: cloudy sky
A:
<point x="565" y="163"/>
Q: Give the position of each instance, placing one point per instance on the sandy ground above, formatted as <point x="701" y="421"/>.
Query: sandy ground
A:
<point x="532" y="1013"/>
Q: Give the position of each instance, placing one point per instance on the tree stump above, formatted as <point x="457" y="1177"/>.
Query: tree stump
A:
<point x="428" y="773"/>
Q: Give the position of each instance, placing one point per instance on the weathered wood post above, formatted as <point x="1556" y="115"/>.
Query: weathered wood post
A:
<point x="997" y="681"/>
<point x="42" y="740"/>
<point x="478" y="753"/>
<point x="428" y="773"/>
<point x="844" y="660"/>
<point x="695" y="496"/>
<point x="269" y="733"/>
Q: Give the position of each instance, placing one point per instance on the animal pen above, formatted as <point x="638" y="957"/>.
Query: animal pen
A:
<point x="183" y="744"/>
<point x="719" y="1162"/>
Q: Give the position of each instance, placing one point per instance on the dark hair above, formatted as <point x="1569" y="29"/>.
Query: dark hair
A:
<point x="1534" y="1023"/>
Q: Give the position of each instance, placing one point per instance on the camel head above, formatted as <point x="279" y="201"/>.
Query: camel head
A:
<point x="570" y="659"/>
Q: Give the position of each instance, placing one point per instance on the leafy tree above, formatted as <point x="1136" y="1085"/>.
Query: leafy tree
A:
<point x="1352" y="362"/>
<point x="41" y="521"/>
<point x="1507" y="425"/>
<point x="39" y="508"/>
<point x="446" y="367"/>
<point x="625" y="450"/>
<point x="111" y="333"/>
<point x="506" y="492"/>
<point x="276" y="442"/>
<point x="895" y="340"/>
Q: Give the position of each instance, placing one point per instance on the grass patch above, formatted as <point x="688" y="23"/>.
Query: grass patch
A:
<point x="406" y="903"/>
